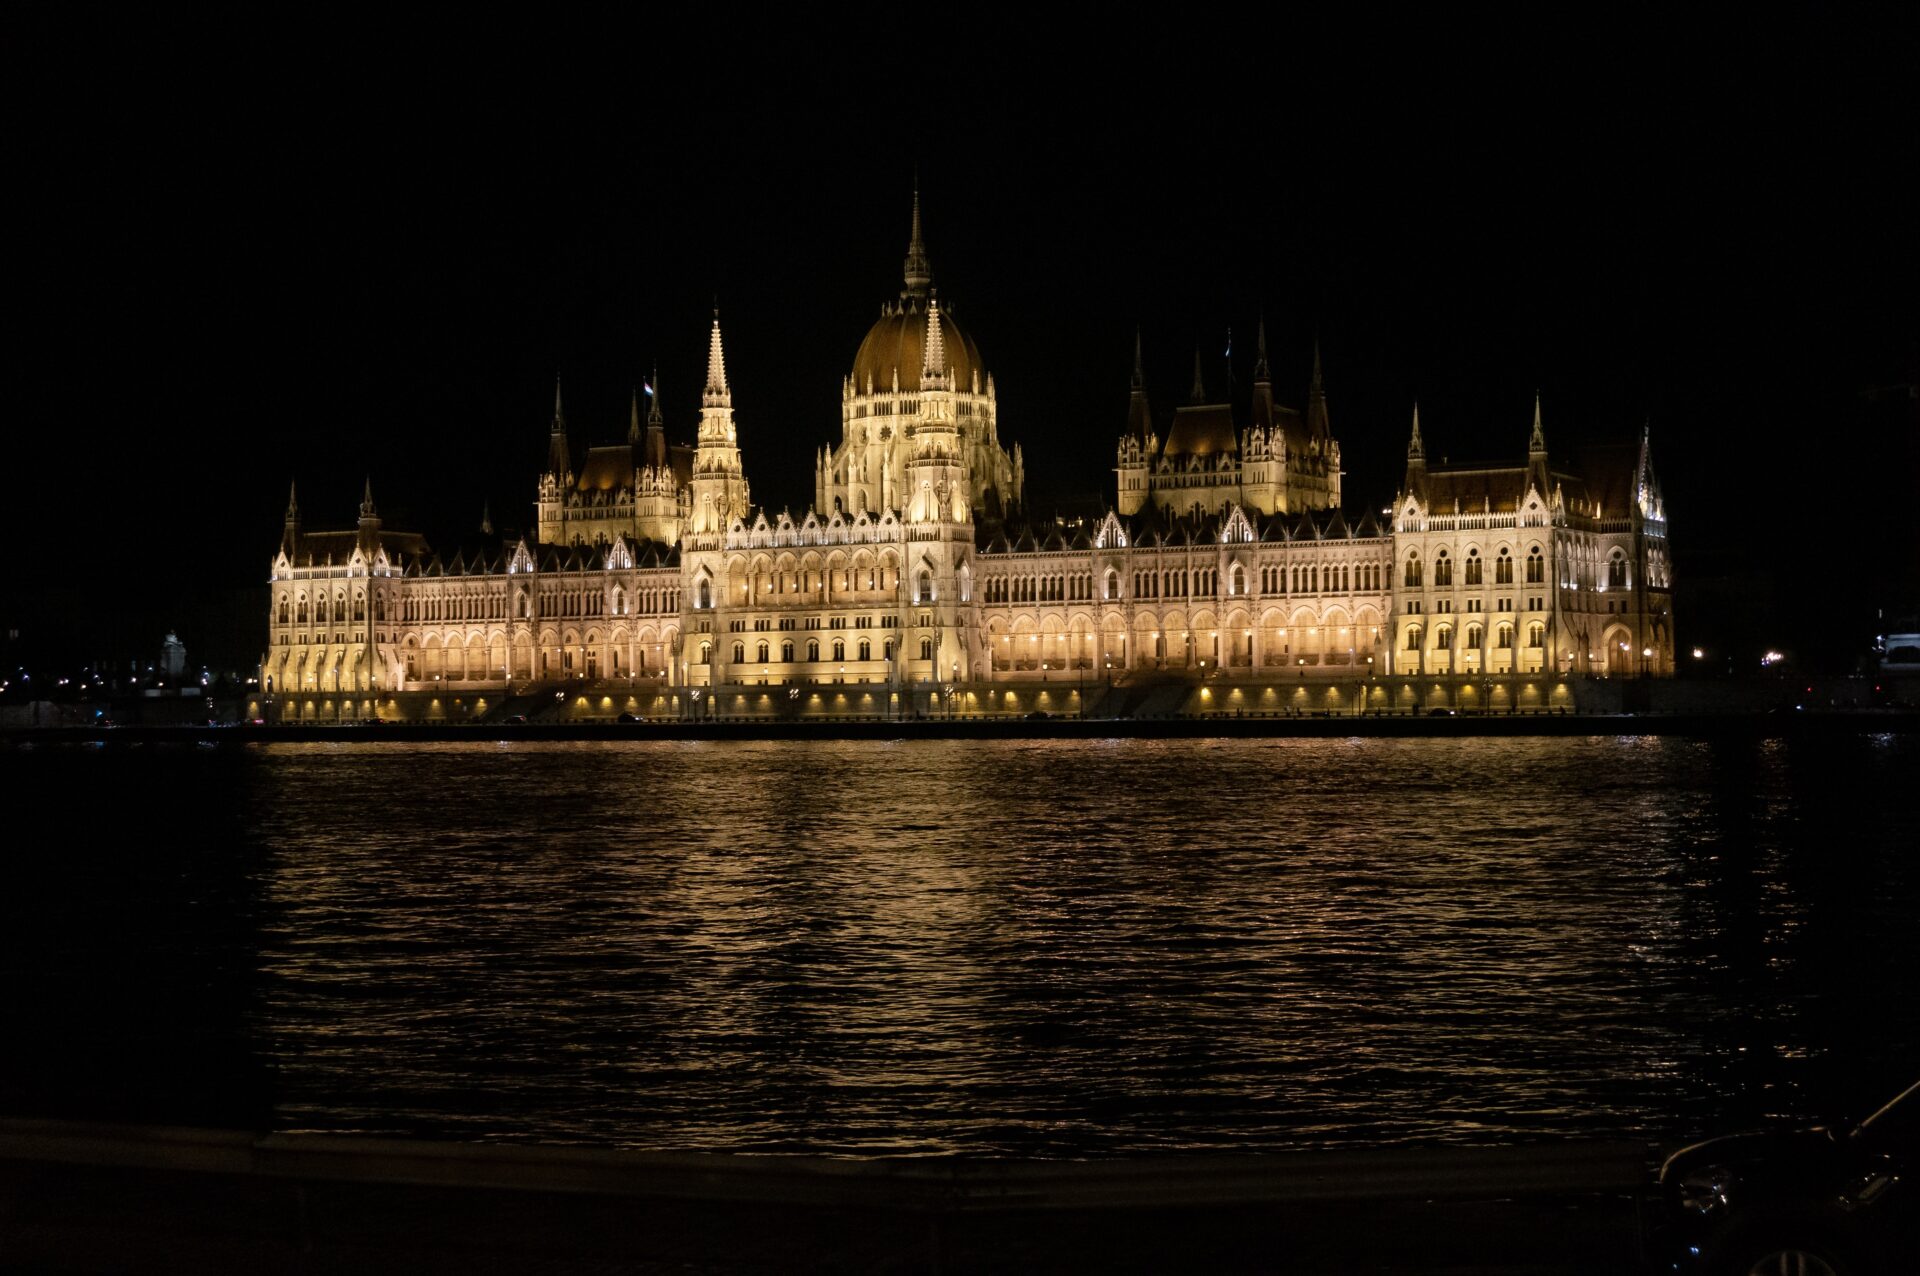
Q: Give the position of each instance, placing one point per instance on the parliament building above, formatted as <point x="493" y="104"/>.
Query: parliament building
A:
<point x="1225" y="575"/>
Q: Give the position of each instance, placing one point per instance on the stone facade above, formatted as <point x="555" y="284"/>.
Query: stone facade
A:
<point x="921" y="581"/>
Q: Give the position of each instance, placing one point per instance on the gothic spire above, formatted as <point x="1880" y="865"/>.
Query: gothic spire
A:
<point x="558" y="463"/>
<point x="1416" y="450"/>
<point x="293" y="506"/>
<point x="633" y="420"/>
<point x="1139" y="368"/>
<point x="366" y="500"/>
<point x="918" y="273"/>
<point x="1139" y="416"/>
<point x="486" y="518"/>
<point x="1260" y="372"/>
<point x="716" y="359"/>
<point x="934" y="364"/>
<point x="653" y="399"/>
<point x="1537" y="441"/>
<point x="1317" y="400"/>
<point x="1199" y="392"/>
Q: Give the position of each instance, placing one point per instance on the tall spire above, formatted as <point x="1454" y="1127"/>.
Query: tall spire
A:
<point x="1199" y="392"/>
<point x="366" y="500"/>
<point x="653" y="399"/>
<point x="716" y="363"/>
<point x="1139" y="415"/>
<point x="656" y="453"/>
<point x="1317" y="425"/>
<point x="293" y="506"/>
<point x="1416" y="450"/>
<point x="934" y="365"/>
<point x="1537" y="441"/>
<point x="486" y="517"/>
<point x="558" y="463"/>
<point x="918" y="273"/>
<point x="1260" y="372"/>
<point x="633" y="420"/>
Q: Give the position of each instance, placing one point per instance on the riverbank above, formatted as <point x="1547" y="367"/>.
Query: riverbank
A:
<point x="1220" y="726"/>
<point x="86" y="1196"/>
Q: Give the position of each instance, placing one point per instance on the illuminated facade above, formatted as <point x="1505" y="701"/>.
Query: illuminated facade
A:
<point x="1225" y="555"/>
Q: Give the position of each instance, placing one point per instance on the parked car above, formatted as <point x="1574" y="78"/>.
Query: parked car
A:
<point x="631" y="717"/>
<point x="516" y="720"/>
<point x="1827" y="1200"/>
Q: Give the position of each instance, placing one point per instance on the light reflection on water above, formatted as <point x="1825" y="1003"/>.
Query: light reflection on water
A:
<point x="1069" y="949"/>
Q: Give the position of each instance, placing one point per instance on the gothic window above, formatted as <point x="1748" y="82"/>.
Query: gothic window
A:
<point x="760" y="653"/>
<point x="1536" y="566"/>
<point x="1536" y="635"/>
<point x="866" y="649"/>
<point x="813" y="649"/>
<point x="283" y="609"/>
<point x="359" y="606"/>
<point x="703" y="596"/>
<point x="786" y="653"/>
<point x="1617" y="571"/>
<point x="1413" y="637"/>
<point x="1442" y="569"/>
<point x="706" y="653"/>
<point x="1503" y="569"/>
<point x="886" y="650"/>
<point x="923" y="591"/>
<point x="1473" y="567"/>
<point x="1413" y="570"/>
<point x="839" y="648"/>
<point x="1503" y="637"/>
<point x="1474" y="636"/>
<point x="926" y="649"/>
<point x="739" y="653"/>
<point x="1443" y="638"/>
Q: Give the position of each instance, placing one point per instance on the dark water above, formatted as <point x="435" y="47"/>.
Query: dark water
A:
<point x="1024" y="948"/>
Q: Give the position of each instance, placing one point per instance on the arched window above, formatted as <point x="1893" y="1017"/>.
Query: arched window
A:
<point x="923" y="587"/>
<point x="1413" y="637"/>
<point x="886" y="650"/>
<point x="1503" y="637"/>
<point x="706" y="653"/>
<point x="1413" y="570"/>
<point x="786" y="653"/>
<point x="1503" y="569"/>
<point x="1443" y="638"/>
<point x="283" y="609"/>
<point x="359" y="606"/>
<point x="1536" y="566"/>
<point x="1237" y="582"/>
<point x="813" y="649"/>
<point x="1617" y="571"/>
<point x="1474" y="637"/>
<point x="703" y="596"/>
<point x="1536" y="635"/>
<point x="926" y="649"/>
<point x="760" y="653"/>
<point x="739" y="653"/>
<point x="839" y="648"/>
<point x="1473" y="567"/>
<point x="866" y="650"/>
<point x="380" y="606"/>
<point x="1442" y="569"/>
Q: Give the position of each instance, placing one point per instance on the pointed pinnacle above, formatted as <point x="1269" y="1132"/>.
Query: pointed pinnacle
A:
<point x="917" y="274"/>
<point x="653" y="398"/>
<point x="559" y="418"/>
<point x="1316" y="387"/>
<point x="1199" y="392"/>
<point x="1414" y="446"/>
<point x="633" y="419"/>
<point x="716" y="359"/>
<point x="293" y="505"/>
<point x="1139" y="369"/>
<point x="1260" y="362"/>
<point x="934" y="362"/>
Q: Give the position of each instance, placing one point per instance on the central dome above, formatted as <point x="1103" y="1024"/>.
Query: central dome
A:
<point x="899" y="340"/>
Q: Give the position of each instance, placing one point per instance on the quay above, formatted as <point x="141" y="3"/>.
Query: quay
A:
<point x="85" y="1197"/>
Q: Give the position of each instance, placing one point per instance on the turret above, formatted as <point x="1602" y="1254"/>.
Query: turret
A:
<point x="1262" y="383"/>
<point x="290" y="537"/>
<point x="369" y="525"/>
<point x="1537" y="473"/>
<point x="719" y="486"/>
<point x="918" y="274"/>
<point x="654" y="455"/>
<point x="1416" y="481"/>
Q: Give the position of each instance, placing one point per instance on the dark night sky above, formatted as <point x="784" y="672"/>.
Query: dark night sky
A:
<point x="244" y="257"/>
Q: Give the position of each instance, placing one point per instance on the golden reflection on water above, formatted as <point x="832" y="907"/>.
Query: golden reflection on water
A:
<point x="1045" y="948"/>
